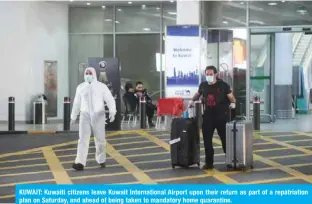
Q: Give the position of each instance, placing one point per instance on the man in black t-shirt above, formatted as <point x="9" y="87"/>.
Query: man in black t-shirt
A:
<point x="218" y="99"/>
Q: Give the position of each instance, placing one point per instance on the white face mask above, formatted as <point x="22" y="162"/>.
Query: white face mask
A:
<point x="88" y="78"/>
<point x="210" y="79"/>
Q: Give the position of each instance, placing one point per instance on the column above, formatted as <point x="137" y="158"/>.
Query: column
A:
<point x="188" y="12"/>
<point x="212" y="12"/>
<point x="283" y="75"/>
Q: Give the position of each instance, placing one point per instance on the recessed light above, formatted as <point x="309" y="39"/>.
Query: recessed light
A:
<point x="158" y="8"/>
<point x="146" y="29"/>
<point x="302" y="11"/>
<point x="103" y="7"/>
<point x="172" y="13"/>
<point x="272" y="4"/>
<point x="130" y="2"/>
<point x="225" y="22"/>
<point x="116" y="21"/>
<point x="241" y="2"/>
<point x="108" y="20"/>
<point x="143" y="6"/>
<point x="88" y="3"/>
<point x="283" y="1"/>
<point x="71" y="0"/>
<point x="119" y="10"/>
<point x="171" y="1"/>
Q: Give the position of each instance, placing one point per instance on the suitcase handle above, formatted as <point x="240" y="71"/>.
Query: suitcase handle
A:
<point x="234" y="130"/>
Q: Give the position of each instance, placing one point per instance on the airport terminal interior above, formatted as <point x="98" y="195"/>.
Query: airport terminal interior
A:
<point x="261" y="48"/>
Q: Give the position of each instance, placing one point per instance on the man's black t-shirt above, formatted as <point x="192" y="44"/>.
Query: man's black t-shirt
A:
<point x="215" y="99"/>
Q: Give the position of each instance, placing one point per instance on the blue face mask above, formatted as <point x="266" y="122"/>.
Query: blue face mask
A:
<point x="88" y="78"/>
<point x="210" y="79"/>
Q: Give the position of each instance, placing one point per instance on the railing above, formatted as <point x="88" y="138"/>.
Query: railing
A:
<point x="262" y="57"/>
<point x="307" y="56"/>
<point x="296" y="40"/>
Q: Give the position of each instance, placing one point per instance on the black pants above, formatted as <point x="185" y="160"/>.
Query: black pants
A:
<point x="208" y="128"/>
<point x="150" y="109"/>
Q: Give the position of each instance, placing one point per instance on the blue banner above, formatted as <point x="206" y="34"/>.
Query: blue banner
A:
<point x="235" y="194"/>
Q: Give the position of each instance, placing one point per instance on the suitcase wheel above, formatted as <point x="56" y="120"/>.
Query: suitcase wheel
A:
<point x="173" y="166"/>
<point x="198" y="164"/>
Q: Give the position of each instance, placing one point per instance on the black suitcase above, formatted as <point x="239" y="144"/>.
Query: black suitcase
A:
<point x="184" y="142"/>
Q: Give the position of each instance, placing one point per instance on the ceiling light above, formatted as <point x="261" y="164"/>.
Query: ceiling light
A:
<point x="146" y="29"/>
<point x="225" y="22"/>
<point x="158" y="8"/>
<point x="88" y="3"/>
<point x="272" y="4"/>
<point x="172" y="13"/>
<point x="119" y="10"/>
<point x="129" y="2"/>
<point x="108" y="20"/>
<point x="242" y="2"/>
<point x="302" y="11"/>
<point x="71" y="0"/>
<point x="103" y="7"/>
<point x="143" y="6"/>
<point x="116" y="21"/>
<point x="283" y="1"/>
<point x="171" y="1"/>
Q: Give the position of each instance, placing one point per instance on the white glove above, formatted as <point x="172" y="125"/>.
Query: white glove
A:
<point x="232" y="105"/>
<point x="72" y="122"/>
<point x="112" y="116"/>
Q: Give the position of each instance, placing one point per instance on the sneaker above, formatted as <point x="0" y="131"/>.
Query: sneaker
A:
<point x="78" y="167"/>
<point x="207" y="167"/>
<point x="103" y="165"/>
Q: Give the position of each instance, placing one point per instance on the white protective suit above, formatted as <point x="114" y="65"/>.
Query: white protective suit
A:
<point x="89" y="102"/>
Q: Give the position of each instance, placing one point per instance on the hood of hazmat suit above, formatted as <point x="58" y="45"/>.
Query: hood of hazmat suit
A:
<point x="91" y="95"/>
<point x="89" y="102"/>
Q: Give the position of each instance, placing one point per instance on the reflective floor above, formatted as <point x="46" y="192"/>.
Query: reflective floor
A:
<point x="300" y="123"/>
<point x="138" y="156"/>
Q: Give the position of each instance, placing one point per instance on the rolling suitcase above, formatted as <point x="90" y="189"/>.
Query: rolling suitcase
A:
<point x="184" y="142"/>
<point x="239" y="145"/>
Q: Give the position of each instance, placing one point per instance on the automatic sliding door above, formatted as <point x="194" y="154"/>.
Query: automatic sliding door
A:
<point x="260" y="74"/>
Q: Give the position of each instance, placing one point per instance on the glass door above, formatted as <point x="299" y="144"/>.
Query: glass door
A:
<point x="261" y="67"/>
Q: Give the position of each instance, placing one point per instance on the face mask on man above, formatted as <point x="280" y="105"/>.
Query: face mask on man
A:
<point x="210" y="79"/>
<point x="88" y="78"/>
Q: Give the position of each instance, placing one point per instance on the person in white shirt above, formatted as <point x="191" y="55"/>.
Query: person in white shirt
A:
<point x="89" y="103"/>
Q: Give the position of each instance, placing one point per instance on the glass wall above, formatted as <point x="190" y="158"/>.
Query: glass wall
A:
<point x="134" y="32"/>
<point x="131" y="32"/>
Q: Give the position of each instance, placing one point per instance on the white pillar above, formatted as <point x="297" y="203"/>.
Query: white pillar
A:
<point x="283" y="59"/>
<point x="188" y="12"/>
<point x="283" y="75"/>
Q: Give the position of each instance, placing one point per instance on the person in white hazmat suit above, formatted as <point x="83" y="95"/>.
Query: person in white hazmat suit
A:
<point x="89" y="103"/>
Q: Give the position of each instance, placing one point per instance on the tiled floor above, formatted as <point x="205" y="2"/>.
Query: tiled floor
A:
<point x="143" y="157"/>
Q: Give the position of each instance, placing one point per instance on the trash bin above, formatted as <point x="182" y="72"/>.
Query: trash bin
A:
<point x="39" y="115"/>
